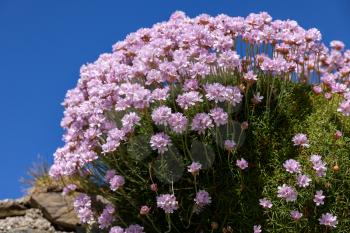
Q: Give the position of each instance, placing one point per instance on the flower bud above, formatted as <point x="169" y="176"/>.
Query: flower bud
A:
<point x="144" y="210"/>
<point x="244" y="125"/>
<point x="338" y="134"/>
<point x="154" y="187"/>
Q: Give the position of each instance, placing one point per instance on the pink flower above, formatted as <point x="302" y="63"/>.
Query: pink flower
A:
<point x="69" y="189"/>
<point x="265" y="203"/>
<point x="296" y="215"/>
<point x="178" y="122"/>
<point x="116" y="182"/>
<point x="82" y="206"/>
<point x="202" y="198"/>
<point x="338" y="134"/>
<point x="116" y="229"/>
<point x="317" y="89"/>
<point x="229" y="145"/>
<point x="215" y="92"/>
<point x="250" y="77"/>
<point x="242" y="163"/>
<point x="257" y="98"/>
<point x="292" y="166"/>
<point x="337" y="45"/>
<point x="160" y="142"/>
<point x="219" y="116"/>
<point x="301" y="140"/>
<point x="134" y="228"/>
<point x="318" y="165"/>
<point x="319" y="198"/>
<point x="287" y="193"/>
<point x="201" y="122"/>
<point x="328" y="220"/>
<point x="161" y="115"/>
<point x="167" y="202"/>
<point x="194" y="168"/>
<point x="189" y="99"/>
<point x="233" y="95"/>
<point x="106" y="218"/>
<point x="257" y="229"/>
<point x="303" y="180"/>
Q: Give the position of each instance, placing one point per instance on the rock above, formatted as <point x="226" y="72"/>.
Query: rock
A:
<point x="9" y="208"/>
<point x="56" y="208"/>
<point x="32" y="222"/>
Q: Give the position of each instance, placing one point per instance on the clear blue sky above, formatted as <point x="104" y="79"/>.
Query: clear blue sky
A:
<point x="43" y="43"/>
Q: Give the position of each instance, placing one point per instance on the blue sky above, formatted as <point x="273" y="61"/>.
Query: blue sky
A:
<point x="43" y="43"/>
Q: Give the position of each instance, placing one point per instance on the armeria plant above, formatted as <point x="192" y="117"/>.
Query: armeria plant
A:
<point x="211" y="124"/>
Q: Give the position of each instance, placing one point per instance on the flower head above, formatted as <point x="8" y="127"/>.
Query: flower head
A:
<point x="167" y="202"/>
<point x="292" y="166"/>
<point x="287" y="193"/>
<point x="160" y="142"/>
<point x="202" y="198"/>
<point x="328" y="219"/>
<point x="242" y="163"/>
<point x="296" y="215"/>
<point x="301" y="140"/>
<point x="319" y="198"/>
<point x="265" y="203"/>
<point x="194" y="168"/>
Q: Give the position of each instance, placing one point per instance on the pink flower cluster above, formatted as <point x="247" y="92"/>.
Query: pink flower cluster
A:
<point x="180" y="53"/>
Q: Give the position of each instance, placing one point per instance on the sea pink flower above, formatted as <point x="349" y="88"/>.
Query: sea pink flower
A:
<point x="229" y="145"/>
<point x="194" y="168"/>
<point x="116" y="229"/>
<point x="319" y="198"/>
<point x="250" y="77"/>
<point x="201" y="122"/>
<point x="116" y="182"/>
<point x="242" y="163"/>
<point x="167" y="202"/>
<point x="160" y="142"/>
<point x="287" y="193"/>
<point x="178" y="122"/>
<point x="257" y="98"/>
<point x="296" y="215"/>
<point x="106" y="218"/>
<point x="134" y="228"/>
<point x="303" y="180"/>
<point x="189" y="99"/>
<point x="318" y="165"/>
<point x="161" y="115"/>
<point x="69" y="189"/>
<point x="328" y="219"/>
<point x="301" y="140"/>
<point x="202" y="198"/>
<point x="219" y="116"/>
<point x="265" y="203"/>
<point x="82" y="206"/>
<point x="257" y="229"/>
<point x="292" y="166"/>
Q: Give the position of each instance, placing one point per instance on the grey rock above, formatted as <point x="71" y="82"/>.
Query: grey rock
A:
<point x="57" y="209"/>
<point x="9" y="208"/>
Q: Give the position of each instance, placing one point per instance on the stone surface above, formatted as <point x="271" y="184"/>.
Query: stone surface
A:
<point x="32" y="222"/>
<point x="16" y="207"/>
<point x="56" y="208"/>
